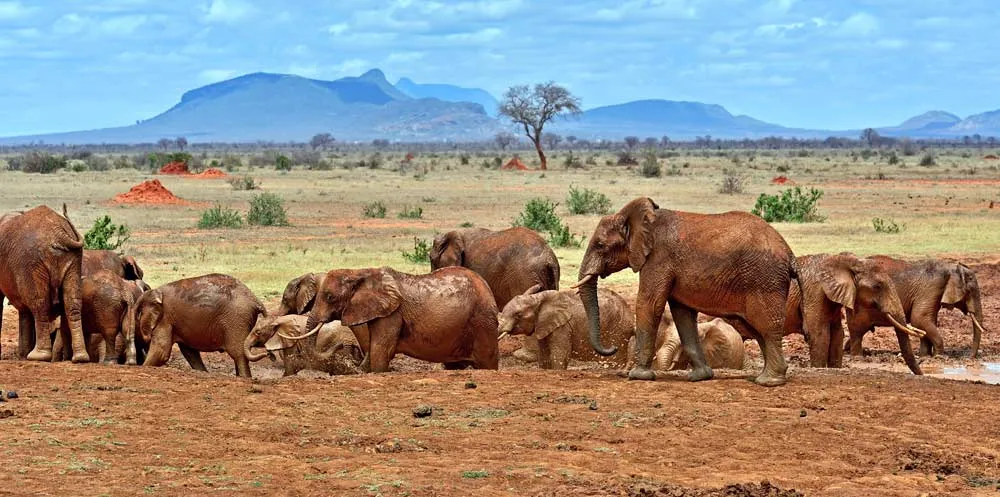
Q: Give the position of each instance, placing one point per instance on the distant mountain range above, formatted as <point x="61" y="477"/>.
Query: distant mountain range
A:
<point x="281" y="107"/>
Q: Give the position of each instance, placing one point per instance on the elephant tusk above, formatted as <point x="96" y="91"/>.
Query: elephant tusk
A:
<point x="583" y="281"/>
<point x="502" y="335"/>
<point x="977" y="323"/>
<point x="908" y="329"/>
<point x="307" y="335"/>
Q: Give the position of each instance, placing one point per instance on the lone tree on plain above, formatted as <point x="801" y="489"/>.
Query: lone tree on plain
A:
<point x="871" y="138"/>
<point x="321" y="141"/>
<point x="504" y="139"/>
<point x="533" y="108"/>
<point x="165" y="143"/>
<point x="181" y="142"/>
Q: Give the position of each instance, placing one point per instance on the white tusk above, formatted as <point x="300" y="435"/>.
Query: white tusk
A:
<point x="307" y="335"/>
<point x="582" y="282"/>
<point x="501" y="336"/>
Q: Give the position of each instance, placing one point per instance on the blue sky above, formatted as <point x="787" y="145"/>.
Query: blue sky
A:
<point x="69" y="64"/>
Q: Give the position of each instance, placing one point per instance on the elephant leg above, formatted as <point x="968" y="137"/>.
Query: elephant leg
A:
<point x="819" y="346"/>
<point x="242" y="366"/>
<point x="836" y="354"/>
<point x="384" y="336"/>
<point x="72" y="313"/>
<point x="192" y="356"/>
<point x="111" y="351"/>
<point x="854" y="345"/>
<point x="650" y="304"/>
<point x="161" y="344"/>
<point x="42" y="350"/>
<point x="686" y="321"/>
<point x="907" y="350"/>
<point x="26" y="333"/>
<point x="931" y="343"/>
<point x="545" y="354"/>
<point x="528" y="351"/>
<point x="767" y="320"/>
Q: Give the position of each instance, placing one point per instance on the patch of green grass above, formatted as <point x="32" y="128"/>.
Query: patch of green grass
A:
<point x="421" y="253"/>
<point x="411" y="213"/>
<point x="220" y="217"/>
<point x="792" y="205"/>
<point x="887" y="225"/>
<point x="105" y="235"/>
<point x="587" y="201"/>
<point x="267" y="209"/>
<point x="243" y="183"/>
<point x="472" y="475"/>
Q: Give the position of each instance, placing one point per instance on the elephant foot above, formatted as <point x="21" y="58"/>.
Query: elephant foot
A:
<point x="644" y="374"/>
<point x="79" y="357"/>
<point x="701" y="374"/>
<point x="524" y="355"/>
<point x="767" y="380"/>
<point x="39" y="355"/>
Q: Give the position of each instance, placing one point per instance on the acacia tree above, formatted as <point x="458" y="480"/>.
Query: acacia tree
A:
<point x="181" y="142"/>
<point x="504" y="139"/>
<point x="533" y="108"/>
<point x="321" y="140"/>
<point x="165" y="143"/>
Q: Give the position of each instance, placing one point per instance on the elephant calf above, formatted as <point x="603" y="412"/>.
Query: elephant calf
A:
<point x="333" y="349"/>
<point x="211" y="313"/>
<point x="558" y="321"/>
<point x="108" y="316"/>
<point x="722" y="344"/>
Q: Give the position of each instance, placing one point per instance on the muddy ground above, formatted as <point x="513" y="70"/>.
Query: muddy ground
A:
<point x="870" y="429"/>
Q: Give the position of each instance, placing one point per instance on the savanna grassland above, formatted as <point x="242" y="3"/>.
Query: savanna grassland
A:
<point x="870" y="429"/>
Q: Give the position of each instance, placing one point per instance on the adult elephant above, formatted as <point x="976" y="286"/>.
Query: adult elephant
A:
<point x="558" y="321"/>
<point x="299" y="295"/>
<point x="40" y="265"/>
<point x="924" y="287"/>
<point x="722" y="344"/>
<point x="826" y="285"/>
<point x="334" y="349"/>
<point x="108" y="260"/>
<point x="210" y="313"/>
<point x="731" y="265"/>
<point x="511" y="261"/>
<point x="447" y="316"/>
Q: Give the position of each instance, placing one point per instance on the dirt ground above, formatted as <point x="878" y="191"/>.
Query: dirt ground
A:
<point x="870" y="429"/>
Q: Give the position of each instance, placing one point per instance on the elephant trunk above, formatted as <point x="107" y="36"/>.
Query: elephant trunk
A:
<point x="588" y="295"/>
<point x="248" y="344"/>
<point x="977" y="325"/>
<point x="667" y="355"/>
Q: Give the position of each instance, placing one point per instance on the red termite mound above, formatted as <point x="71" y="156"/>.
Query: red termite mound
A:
<point x="175" y="168"/>
<point x="148" y="192"/>
<point x="514" y="164"/>
<point x="210" y="173"/>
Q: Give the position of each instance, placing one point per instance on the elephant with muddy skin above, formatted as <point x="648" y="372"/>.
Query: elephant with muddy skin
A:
<point x="511" y="261"/>
<point x="924" y="287"/>
<point x="722" y="344"/>
<point x="558" y="321"/>
<point x="447" y="316"/>
<point x="732" y="265"/>
<point x="829" y="283"/>
<point x="40" y="275"/>
<point x="299" y="295"/>
<point x="334" y="349"/>
<point x="109" y="304"/>
<point x="108" y="260"/>
<point x="210" y="313"/>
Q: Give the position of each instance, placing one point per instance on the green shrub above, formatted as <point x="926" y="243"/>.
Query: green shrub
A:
<point x="77" y="166"/>
<point x="122" y="162"/>
<point x="374" y="209"/>
<point x="220" y="217"/>
<point x="927" y="160"/>
<point x="421" y="252"/>
<point x="887" y="226"/>
<point x="282" y="163"/>
<point x="475" y="474"/>
<point x="892" y="158"/>
<point x="587" y="201"/>
<point x="651" y="167"/>
<point x="37" y="162"/>
<point x="242" y="183"/>
<point x="411" y="213"/>
<point x="540" y="215"/>
<point x="561" y="237"/>
<point x="100" y="236"/>
<point x="463" y="159"/>
<point x="792" y="205"/>
<point x="466" y="224"/>
<point x="267" y="209"/>
<point x="572" y="161"/>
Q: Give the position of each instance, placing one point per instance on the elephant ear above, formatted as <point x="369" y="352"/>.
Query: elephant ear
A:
<point x="450" y="244"/>
<point x="957" y="286"/>
<point x="150" y="304"/>
<point x="837" y="281"/>
<point x="306" y="293"/>
<point x="132" y="269"/>
<point x="553" y="316"/>
<point x="638" y="221"/>
<point x="376" y="296"/>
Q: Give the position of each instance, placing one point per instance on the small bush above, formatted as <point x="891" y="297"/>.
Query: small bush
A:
<point x="587" y="201"/>
<point x="37" y="162"/>
<point x="887" y="226"/>
<point x="540" y="215"/>
<point x="77" y="165"/>
<point x="867" y="153"/>
<point x="561" y="237"/>
<point x="374" y="161"/>
<point x="463" y="159"/>
<point x="105" y="235"/>
<point x="927" y="160"/>
<point x="783" y="168"/>
<point x="122" y="162"/>
<point x="97" y="163"/>
<point x="732" y="182"/>
<point x="625" y="158"/>
<point x="792" y="205"/>
<point x="242" y="183"/>
<point x="220" y="217"/>
<point x="421" y="252"/>
<point x="374" y="209"/>
<point x="651" y="167"/>
<point x="466" y="224"/>
<point x="282" y="163"/>
<point x="411" y="213"/>
<point x="572" y="161"/>
<point x="231" y="162"/>
<point x="267" y="209"/>
<point x="309" y="158"/>
<point x="475" y="474"/>
<point x="892" y="158"/>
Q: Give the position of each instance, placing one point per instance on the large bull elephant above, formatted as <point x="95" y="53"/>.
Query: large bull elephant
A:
<point x="731" y="265"/>
<point x="558" y="321"/>
<point x="924" y="288"/>
<point x="826" y="285"/>
<point x="40" y="265"/>
<point x="447" y="316"/>
<point x="511" y="261"/>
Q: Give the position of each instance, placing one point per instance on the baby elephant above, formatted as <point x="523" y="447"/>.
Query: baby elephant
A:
<point x="333" y="349"/>
<point x="108" y="316"/>
<point x="557" y="319"/>
<point x="211" y="313"/>
<point x="722" y="344"/>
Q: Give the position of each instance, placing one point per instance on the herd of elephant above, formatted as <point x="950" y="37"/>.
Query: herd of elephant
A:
<point x="483" y="286"/>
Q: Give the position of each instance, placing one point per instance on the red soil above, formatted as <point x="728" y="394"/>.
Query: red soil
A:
<point x="210" y="173"/>
<point x="990" y="157"/>
<point x="175" y="168"/>
<point x="514" y="164"/>
<point x="779" y="180"/>
<point x="148" y="192"/>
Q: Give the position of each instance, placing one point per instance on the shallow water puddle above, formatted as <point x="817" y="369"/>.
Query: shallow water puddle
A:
<point x="987" y="372"/>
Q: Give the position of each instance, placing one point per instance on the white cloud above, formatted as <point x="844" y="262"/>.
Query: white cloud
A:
<point x="861" y="24"/>
<point x="12" y="10"/>
<point x="338" y="29"/>
<point x="215" y="75"/>
<point x="69" y="24"/>
<point x="227" y="11"/>
<point x="349" y="67"/>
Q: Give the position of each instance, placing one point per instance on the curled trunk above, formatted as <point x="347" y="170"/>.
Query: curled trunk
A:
<point x="588" y="295"/>
<point x="248" y="344"/>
